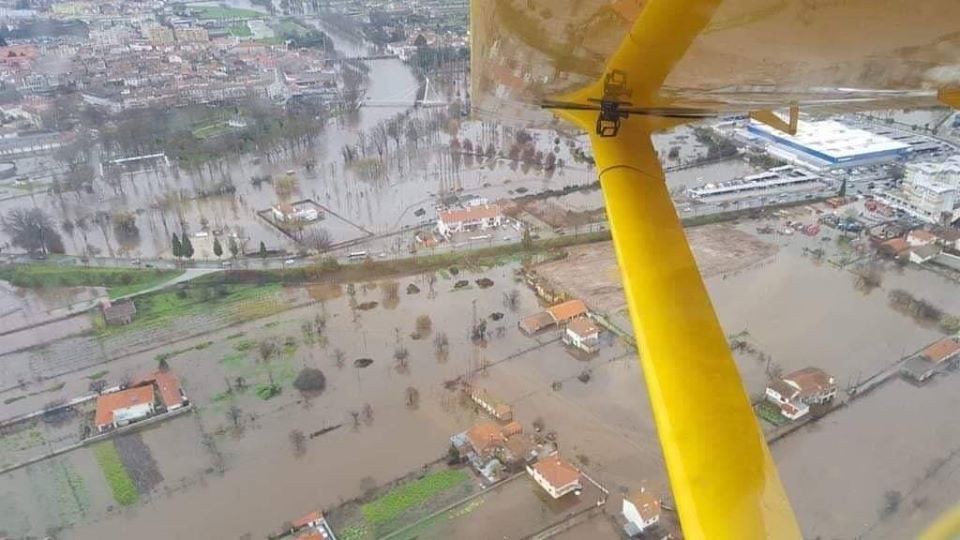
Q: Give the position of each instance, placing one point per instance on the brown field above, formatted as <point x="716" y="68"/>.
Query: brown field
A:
<point x="590" y="271"/>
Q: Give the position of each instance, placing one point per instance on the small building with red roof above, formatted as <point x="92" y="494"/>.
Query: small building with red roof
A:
<point x="120" y="408"/>
<point x="312" y="526"/>
<point x="641" y="510"/>
<point x="555" y="475"/>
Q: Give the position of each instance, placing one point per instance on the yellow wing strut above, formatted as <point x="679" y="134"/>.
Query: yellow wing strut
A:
<point x="722" y="475"/>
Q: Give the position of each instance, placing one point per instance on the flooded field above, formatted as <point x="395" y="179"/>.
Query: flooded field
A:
<point x="366" y="339"/>
<point x="189" y="452"/>
<point x="899" y="443"/>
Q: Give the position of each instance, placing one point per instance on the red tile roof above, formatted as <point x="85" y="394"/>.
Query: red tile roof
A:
<point x="568" y="310"/>
<point x="474" y="213"/>
<point x="583" y="327"/>
<point x="556" y="471"/>
<point x="921" y="235"/>
<point x="306" y="520"/>
<point x="536" y="322"/>
<point x="811" y="380"/>
<point x="485" y="436"/>
<point x="168" y="387"/>
<point x="107" y="403"/>
<point x="942" y="350"/>
<point x="896" y="245"/>
<point x="647" y="505"/>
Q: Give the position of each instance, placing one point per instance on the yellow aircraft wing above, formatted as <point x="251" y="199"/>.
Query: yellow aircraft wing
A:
<point x="668" y="62"/>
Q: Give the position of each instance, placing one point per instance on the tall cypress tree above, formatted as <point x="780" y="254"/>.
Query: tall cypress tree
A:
<point x="177" y="246"/>
<point x="187" y="248"/>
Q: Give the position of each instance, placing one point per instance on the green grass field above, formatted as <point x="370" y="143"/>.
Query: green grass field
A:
<point x="244" y="302"/>
<point x="220" y="12"/>
<point x="211" y="130"/>
<point x="240" y="30"/>
<point x="122" y="486"/>
<point x="119" y="281"/>
<point x="407" y="496"/>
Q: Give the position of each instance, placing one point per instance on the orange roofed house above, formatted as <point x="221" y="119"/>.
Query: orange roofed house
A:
<point x="555" y="475"/>
<point x="642" y="512"/>
<point x="490" y="448"/>
<point x="795" y="392"/>
<point x="167" y="388"/>
<point x="493" y="406"/>
<point x="123" y="407"/>
<point x="937" y="357"/>
<point x="312" y="526"/>
<point x="469" y="219"/>
<point x="560" y="315"/>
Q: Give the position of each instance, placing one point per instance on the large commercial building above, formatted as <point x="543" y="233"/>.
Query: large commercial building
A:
<point x="930" y="191"/>
<point x="828" y="144"/>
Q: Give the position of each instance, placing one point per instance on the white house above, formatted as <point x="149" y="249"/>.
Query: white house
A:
<point x="795" y="392"/>
<point x="555" y="475"/>
<point x="289" y="212"/>
<point x="642" y="511"/>
<point x="583" y="334"/>
<point x="469" y="219"/>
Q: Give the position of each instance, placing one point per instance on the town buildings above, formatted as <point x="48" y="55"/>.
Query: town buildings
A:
<point x="795" y="392"/>
<point x="929" y="191"/>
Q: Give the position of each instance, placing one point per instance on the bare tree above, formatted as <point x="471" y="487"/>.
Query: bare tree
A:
<point x="318" y="238"/>
<point x="441" y="346"/>
<point x="299" y="442"/>
<point x="423" y="324"/>
<point x="413" y="397"/>
<point x="511" y="299"/>
<point x="235" y="414"/>
<point x="367" y="413"/>
<point x="33" y="230"/>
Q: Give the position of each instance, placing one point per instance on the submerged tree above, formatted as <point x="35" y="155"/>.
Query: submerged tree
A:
<point x="33" y="230"/>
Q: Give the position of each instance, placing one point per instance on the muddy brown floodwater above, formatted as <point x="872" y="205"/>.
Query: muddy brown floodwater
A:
<point x="244" y="477"/>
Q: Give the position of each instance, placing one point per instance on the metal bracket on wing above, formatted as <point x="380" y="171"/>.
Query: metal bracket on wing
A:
<point x="771" y="119"/>
<point x="949" y="97"/>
